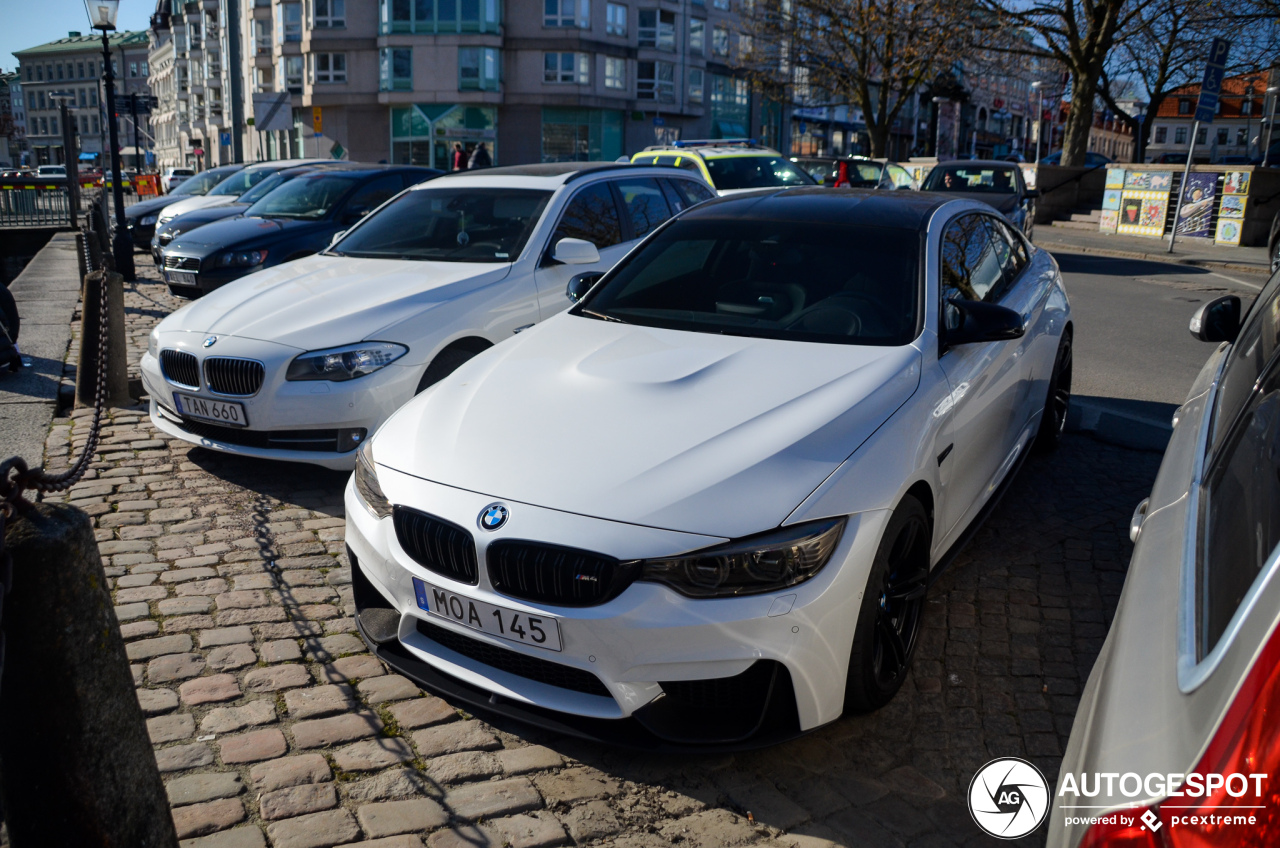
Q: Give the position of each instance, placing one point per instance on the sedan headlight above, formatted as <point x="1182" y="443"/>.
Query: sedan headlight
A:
<point x="147" y="220"/>
<point x="239" y="258"/>
<point x="764" y="563"/>
<point x="366" y="481"/>
<point x="344" y="363"/>
<point x="153" y="342"/>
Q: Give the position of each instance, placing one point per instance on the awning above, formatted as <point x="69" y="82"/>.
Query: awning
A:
<point x="88" y="156"/>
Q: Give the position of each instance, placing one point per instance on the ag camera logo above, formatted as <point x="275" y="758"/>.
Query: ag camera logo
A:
<point x="1008" y="798"/>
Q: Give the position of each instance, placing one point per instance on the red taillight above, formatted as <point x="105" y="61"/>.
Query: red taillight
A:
<point x="1246" y="742"/>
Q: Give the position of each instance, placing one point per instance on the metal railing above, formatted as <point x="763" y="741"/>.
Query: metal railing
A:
<point x="39" y="203"/>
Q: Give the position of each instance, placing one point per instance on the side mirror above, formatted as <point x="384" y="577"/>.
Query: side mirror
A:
<point x="983" y="322"/>
<point x="354" y="215"/>
<point x="336" y="236"/>
<point x="1218" y="320"/>
<point x="572" y="251"/>
<point x="581" y="284"/>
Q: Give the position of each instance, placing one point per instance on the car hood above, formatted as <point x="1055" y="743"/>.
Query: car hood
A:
<point x="323" y="301"/>
<point x="236" y="232"/>
<point x="147" y="207"/>
<point x="191" y="204"/>
<point x="702" y="433"/>
<point x="205" y="216"/>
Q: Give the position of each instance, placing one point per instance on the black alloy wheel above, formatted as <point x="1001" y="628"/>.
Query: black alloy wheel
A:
<point x="892" y="611"/>
<point x="1053" y="422"/>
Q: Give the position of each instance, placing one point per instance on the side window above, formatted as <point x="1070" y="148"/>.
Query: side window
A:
<point x="1251" y="351"/>
<point x="674" y="199"/>
<point x="374" y="194"/>
<point x="1012" y="255"/>
<point x="646" y="207"/>
<point x="694" y="191"/>
<point x="900" y="177"/>
<point x="592" y="215"/>
<point x="970" y="266"/>
<point x="1242" y="509"/>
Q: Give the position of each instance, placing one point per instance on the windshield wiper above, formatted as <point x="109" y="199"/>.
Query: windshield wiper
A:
<point x="604" y="317"/>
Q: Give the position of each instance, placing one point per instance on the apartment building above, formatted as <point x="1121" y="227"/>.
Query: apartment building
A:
<point x="73" y="65"/>
<point x="13" y="120"/>
<point x="1238" y="129"/>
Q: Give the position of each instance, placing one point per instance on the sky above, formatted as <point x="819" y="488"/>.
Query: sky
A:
<point x="29" y="24"/>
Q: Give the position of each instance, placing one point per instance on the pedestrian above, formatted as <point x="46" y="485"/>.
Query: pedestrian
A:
<point x="480" y="157"/>
<point x="459" y="157"/>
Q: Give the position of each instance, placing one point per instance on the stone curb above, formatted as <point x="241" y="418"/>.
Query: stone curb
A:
<point x="1174" y="259"/>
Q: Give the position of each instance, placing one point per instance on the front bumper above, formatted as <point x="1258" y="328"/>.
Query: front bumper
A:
<point x="142" y="235"/>
<point x="659" y="657"/>
<point x="285" y="418"/>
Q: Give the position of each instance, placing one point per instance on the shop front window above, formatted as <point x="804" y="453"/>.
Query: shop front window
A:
<point x="581" y="135"/>
<point x="426" y="133"/>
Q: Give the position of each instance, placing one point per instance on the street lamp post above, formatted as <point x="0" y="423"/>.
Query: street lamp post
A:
<point x="102" y="16"/>
<point x="1271" y="119"/>
<point x="1039" y="87"/>
<point x="937" y="140"/>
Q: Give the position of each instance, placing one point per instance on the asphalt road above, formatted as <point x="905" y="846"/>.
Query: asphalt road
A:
<point x="1131" y="342"/>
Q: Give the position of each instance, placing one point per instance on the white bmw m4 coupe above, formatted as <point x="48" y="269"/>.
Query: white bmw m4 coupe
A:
<point x="703" y="506"/>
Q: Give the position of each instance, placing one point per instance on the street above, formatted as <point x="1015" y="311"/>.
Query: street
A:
<point x="272" y="724"/>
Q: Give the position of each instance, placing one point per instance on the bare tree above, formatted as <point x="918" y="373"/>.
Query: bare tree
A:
<point x="1079" y="34"/>
<point x="872" y="54"/>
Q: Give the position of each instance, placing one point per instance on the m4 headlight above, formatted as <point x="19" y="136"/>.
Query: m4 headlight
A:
<point x="147" y="220"/>
<point x="240" y="259"/>
<point x="765" y="563"/>
<point x="366" y="482"/>
<point x="153" y="342"/>
<point x="344" y="363"/>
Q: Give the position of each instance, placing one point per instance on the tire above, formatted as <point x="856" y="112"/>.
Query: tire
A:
<point x="1053" y="421"/>
<point x="892" y="611"/>
<point x="448" y="361"/>
<point x="9" y="314"/>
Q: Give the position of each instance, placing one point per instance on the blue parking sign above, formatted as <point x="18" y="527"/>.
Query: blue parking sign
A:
<point x="1211" y="85"/>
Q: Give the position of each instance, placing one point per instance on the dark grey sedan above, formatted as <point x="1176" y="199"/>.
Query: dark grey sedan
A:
<point x="998" y="184"/>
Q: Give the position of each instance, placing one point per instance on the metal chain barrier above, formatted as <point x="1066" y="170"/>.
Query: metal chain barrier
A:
<point x="17" y="477"/>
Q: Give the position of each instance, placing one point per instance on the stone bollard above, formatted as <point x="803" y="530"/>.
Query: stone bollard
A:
<point x="76" y="763"/>
<point x="116" y="392"/>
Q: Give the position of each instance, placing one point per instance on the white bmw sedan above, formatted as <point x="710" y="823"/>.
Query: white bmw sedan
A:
<point x="304" y="360"/>
<point x="704" y="505"/>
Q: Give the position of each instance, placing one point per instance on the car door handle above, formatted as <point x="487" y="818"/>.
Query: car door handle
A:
<point x="521" y="329"/>
<point x="1139" y="516"/>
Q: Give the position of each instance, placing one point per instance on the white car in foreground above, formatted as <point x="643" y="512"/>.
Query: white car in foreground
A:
<point x="304" y="360"/>
<point x="703" y="506"/>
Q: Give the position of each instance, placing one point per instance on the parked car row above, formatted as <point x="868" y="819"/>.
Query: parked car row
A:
<point x="624" y="449"/>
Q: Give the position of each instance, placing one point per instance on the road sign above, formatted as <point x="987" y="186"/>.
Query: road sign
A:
<point x="659" y="121"/>
<point x="271" y="111"/>
<point x="317" y="125"/>
<point x="1211" y="85"/>
<point x="224" y="139"/>
<point x="337" y="150"/>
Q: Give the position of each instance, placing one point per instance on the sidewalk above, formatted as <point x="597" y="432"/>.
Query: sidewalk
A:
<point x="1197" y="252"/>
<point x="47" y="292"/>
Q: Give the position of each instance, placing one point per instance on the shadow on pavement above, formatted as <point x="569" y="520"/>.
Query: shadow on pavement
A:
<point x="1082" y="263"/>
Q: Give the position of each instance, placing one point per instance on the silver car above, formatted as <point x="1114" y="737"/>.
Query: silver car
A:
<point x="1177" y="738"/>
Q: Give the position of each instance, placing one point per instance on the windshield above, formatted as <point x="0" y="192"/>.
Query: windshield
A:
<point x="732" y="172"/>
<point x="791" y="280"/>
<point x="262" y="189"/>
<point x="449" y="225"/>
<point x="310" y="196"/>
<point x="989" y="180"/>
<point x="240" y="182"/>
<point x="201" y="183"/>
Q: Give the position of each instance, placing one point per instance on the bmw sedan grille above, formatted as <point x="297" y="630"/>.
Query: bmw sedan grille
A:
<point x="240" y="377"/>
<point x="436" y="545"/>
<point x="555" y="575"/>
<point x="180" y="368"/>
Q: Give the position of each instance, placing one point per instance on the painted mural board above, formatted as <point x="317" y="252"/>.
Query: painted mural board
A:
<point x="1232" y="207"/>
<point x="1142" y="213"/>
<point x="1148" y="180"/>
<point x="1108" y="221"/>
<point x="1236" y="182"/>
<point x="1111" y="199"/>
<point x="1229" y="230"/>
<point x="1115" y="178"/>
<point x="1196" y="217"/>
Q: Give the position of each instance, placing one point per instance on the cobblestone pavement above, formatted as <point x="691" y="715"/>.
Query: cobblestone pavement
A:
<point x="273" y="725"/>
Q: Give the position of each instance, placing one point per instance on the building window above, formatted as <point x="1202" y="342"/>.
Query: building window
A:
<point x="697" y="37"/>
<point x="193" y="31"/>
<point x="59" y="70"/>
<point x="615" y="73"/>
<point x="730" y="107"/>
<point x="657" y="29"/>
<point x="720" y="41"/>
<point x="723" y="5"/>
<point x="432" y="16"/>
<point x="615" y="16"/>
<point x="93" y="97"/>
<point x="1222" y="135"/>
<point x="1162" y="133"/>
<point x="1180" y="135"/>
<point x="477" y="69"/>
<point x="145" y="71"/>
<point x="566" y="68"/>
<point x="581" y="135"/>
<point x="695" y="85"/>
<point x="292" y="73"/>
<point x="80" y="70"/>
<point x="53" y="125"/>
<point x="1246" y="107"/>
<point x="656" y="81"/>
<point x="330" y="67"/>
<point x="1184" y="107"/>
<point x="95" y="124"/>
<point x="82" y="100"/>
<point x="290" y="22"/>
<point x="1242" y="136"/>
<point x="567" y="13"/>
<point x="329" y="14"/>
<point x="396" y="69"/>
<point x="1201" y="135"/>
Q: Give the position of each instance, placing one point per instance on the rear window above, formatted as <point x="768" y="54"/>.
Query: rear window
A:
<point x="736" y="172"/>
<point x="784" y="280"/>
<point x="238" y="183"/>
